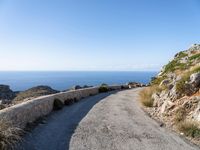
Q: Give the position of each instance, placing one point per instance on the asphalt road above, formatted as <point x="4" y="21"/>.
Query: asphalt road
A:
<point x="118" y="123"/>
<point x="56" y="133"/>
<point x="109" y="121"/>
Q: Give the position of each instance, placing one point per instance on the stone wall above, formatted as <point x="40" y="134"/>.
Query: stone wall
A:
<point x="29" y="111"/>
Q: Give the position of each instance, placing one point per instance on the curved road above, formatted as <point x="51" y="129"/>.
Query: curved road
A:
<point x="115" y="123"/>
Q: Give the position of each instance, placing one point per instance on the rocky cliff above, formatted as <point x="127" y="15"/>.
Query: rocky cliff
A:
<point x="34" y="92"/>
<point x="175" y="91"/>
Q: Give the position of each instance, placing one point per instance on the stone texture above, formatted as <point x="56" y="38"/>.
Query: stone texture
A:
<point x="29" y="111"/>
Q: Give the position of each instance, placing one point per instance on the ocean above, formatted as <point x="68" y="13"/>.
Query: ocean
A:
<point x="62" y="80"/>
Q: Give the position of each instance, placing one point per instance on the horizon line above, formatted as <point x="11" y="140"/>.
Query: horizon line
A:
<point x="79" y="70"/>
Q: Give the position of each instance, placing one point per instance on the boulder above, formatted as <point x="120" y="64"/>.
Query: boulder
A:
<point x="196" y="113"/>
<point x="156" y="100"/>
<point x="195" y="79"/>
<point x="173" y="94"/>
<point x="167" y="105"/>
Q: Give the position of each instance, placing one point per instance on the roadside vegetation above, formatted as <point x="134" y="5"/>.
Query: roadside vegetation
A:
<point x="103" y="88"/>
<point x="146" y="95"/>
<point x="181" y="85"/>
<point x="58" y="104"/>
<point x="180" y="115"/>
<point x="9" y="135"/>
<point x="189" y="128"/>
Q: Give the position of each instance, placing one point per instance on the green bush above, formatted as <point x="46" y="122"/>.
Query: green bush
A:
<point x="58" y="104"/>
<point x="103" y="89"/>
<point x="181" y="85"/>
<point x="175" y="65"/>
<point x="181" y="55"/>
<point x="157" y="80"/>
<point x="197" y="56"/>
<point x="189" y="128"/>
<point x="69" y="101"/>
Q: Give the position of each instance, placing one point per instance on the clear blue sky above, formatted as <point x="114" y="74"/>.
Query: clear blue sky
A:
<point x="121" y="35"/>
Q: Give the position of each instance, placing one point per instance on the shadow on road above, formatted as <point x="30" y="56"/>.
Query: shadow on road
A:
<point x="56" y="133"/>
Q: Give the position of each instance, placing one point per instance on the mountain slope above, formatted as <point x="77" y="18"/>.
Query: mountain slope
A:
<point x="174" y="95"/>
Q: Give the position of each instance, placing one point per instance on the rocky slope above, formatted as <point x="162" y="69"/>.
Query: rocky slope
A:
<point x="34" y="92"/>
<point x="176" y="92"/>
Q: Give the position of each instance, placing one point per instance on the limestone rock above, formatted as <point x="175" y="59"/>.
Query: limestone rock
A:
<point x="167" y="105"/>
<point x="195" y="47"/>
<point x="196" y="113"/>
<point x="195" y="79"/>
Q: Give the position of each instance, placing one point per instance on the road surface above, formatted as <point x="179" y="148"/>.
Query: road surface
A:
<point x="109" y="121"/>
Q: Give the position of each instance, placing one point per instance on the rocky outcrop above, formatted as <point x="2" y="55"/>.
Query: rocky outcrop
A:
<point x="6" y="94"/>
<point x="35" y="92"/>
<point x="179" y="84"/>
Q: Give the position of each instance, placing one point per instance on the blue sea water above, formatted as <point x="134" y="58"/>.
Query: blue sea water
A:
<point x="20" y="81"/>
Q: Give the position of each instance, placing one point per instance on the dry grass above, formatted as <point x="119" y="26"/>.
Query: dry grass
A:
<point x="189" y="128"/>
<point x="146" y="96"/>
<point x="9" y="135"/>
<point x="180" y="115"/>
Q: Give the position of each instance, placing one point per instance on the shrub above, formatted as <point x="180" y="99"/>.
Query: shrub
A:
<point x="146" y="96"/>
<point x="103" y="89"/>
<point x="181" y="85"/>
<point x="180" y="115"/>
<point x="58" y="104"/>
<point x="69" y="101"/>
<point x="175" y="65"/>
<point x="197" y="56"/>
<point x="157" y="80"/>
<point x="181" y="55"/>
<point x="195" y="70"/>
<point x="9" y="135"/>
<point x="189" y="128"/>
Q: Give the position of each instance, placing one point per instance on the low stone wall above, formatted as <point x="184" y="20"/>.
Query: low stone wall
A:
<point x="29" y="111"/>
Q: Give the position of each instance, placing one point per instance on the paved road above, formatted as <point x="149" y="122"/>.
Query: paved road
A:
<point x="118" y="123"/>
<point x="57" y="132"/>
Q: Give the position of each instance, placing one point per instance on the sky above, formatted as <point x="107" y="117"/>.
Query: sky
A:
<point x="95" y="35"/>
